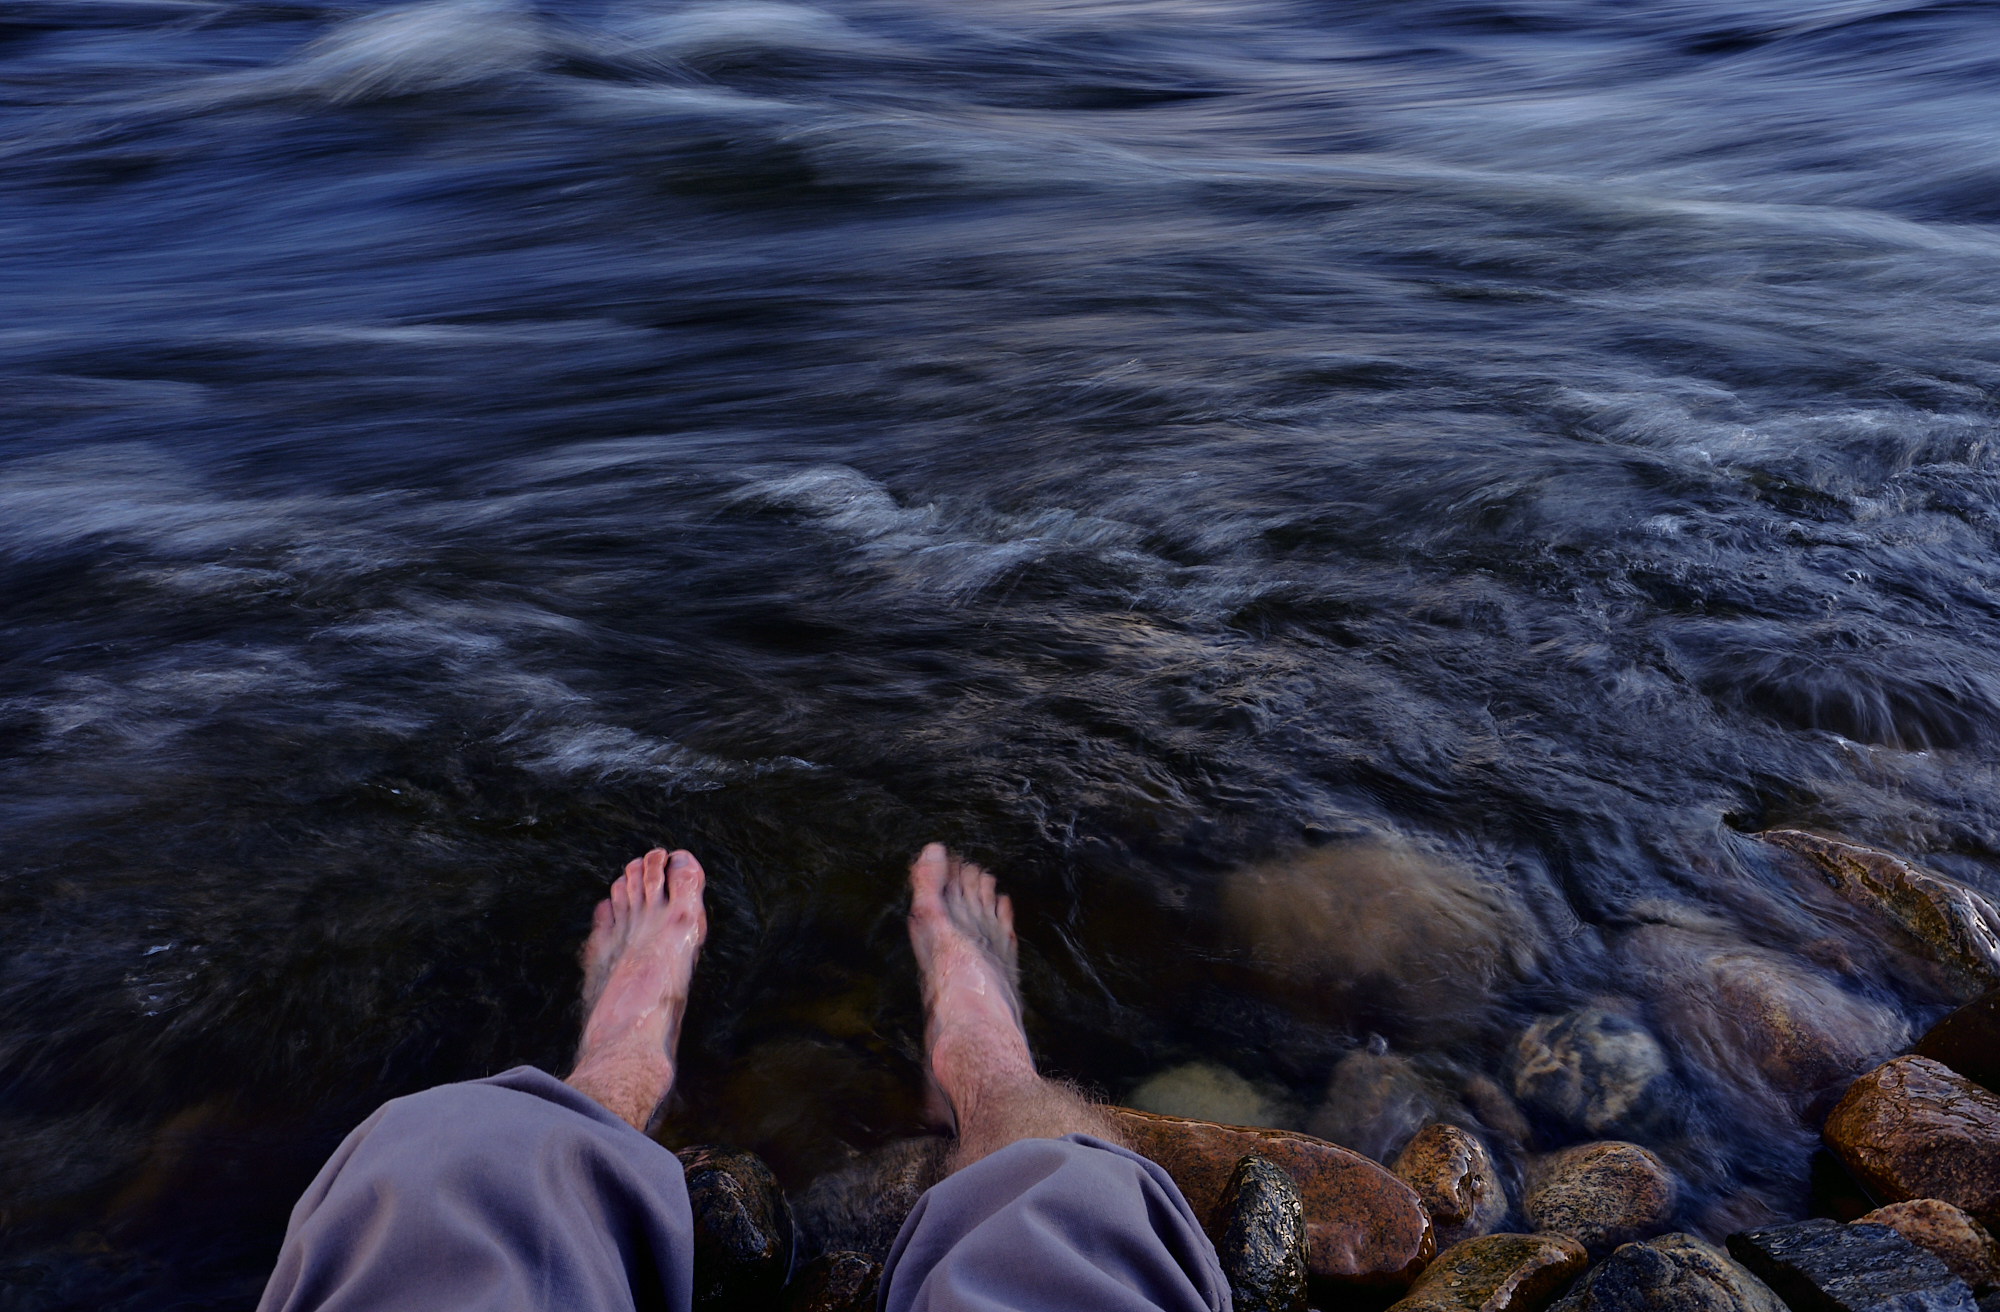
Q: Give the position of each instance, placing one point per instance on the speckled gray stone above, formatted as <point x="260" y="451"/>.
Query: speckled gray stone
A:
<point x="1824" y="1266"/>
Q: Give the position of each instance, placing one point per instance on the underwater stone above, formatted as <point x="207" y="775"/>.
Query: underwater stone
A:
<point x="1968" y="1041"/>
<point x="1763" y="1019"/>
<point x="1673" y="1273"/>
<point x="1595" y="1072"/>
<point x="1957" y="1240"/>
<point x="1453" y="1173"/>
<point x="1375" y="1101"/>
<point x="1496" y="1273"/>
<point x="742" y="1229"/>
<point x="1824" y="1266"/>
<point x="1363" y="1225"/>
<point x="1959" y="928"/>
<point x="1260" y="1238"/>
<point x="1915" y="1128"/>
<point x="1600" y="1194"/>
<point x="835" y="1282"/>
<point x="1204" y="1091"/>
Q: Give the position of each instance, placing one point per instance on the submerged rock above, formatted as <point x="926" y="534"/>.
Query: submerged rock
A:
<point x="742" y="1229"/>
<point x="1592" y="1071"/>
<point x="1824" y="1266"/>
<point x="1915" y="1128"/>
<point x="1958" y="927"/>
<point x="1496" y="1273"/>
<point x="1363" y="1225"/>
<point x="1600" y="1194"/>
<point x="1375" y="1101"/>
<point x="860" y="1209"/>
<point x="1673" y="1273"/>
<point x="1204" y="1091"/>
<point x="1260" y="1238"/>
<point x="1379" y="934"/>
<point x="1453" y="1173"/>
<point x="1758" y="1019"/>
<point x="1968" y="1041"/>
<point x="1957" y="1240"/>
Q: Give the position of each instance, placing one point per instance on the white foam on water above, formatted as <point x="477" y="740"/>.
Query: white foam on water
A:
<point x="709" y="30"/>
<point x="428" y="47"/>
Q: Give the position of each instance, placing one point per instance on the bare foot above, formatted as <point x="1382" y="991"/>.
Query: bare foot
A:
<point x="637" y="965"/>
<point x="963" y="933"/>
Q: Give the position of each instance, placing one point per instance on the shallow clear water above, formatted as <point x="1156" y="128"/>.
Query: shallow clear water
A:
<point x="1353" y="509"/>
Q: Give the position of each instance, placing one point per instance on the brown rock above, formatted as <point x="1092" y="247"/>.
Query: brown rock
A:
<point x="1600" y="1194"/>
<point x="1496" y="1273"/>
<point x="1759" y="1017"/>
<point x="1453" y="1173"/>
<point x="1936" y="1225"/>
<point x="1915" y="1128"/>
<point x="1958" y="927"/>
<point x="1363" y="1225"/>
<point x="1968" y="1041"/>
<point x="1375" y="1102"/>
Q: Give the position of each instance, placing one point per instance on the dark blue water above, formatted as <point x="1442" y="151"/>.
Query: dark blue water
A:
<point x="1465" y="464"/>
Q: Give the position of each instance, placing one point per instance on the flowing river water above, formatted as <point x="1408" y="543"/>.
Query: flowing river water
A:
<point x="1356" y="511"/>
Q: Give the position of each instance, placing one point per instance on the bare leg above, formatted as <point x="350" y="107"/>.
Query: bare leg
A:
<point x="963" y="933"/>
<point x="637" y="965"/>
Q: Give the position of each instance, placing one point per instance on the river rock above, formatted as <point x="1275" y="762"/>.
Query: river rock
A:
<point x="1968" y="1041"/>
<point x="1260" y="1238"/>
<point x="1960" y="1242"/>
<point x="1673" y="1273"/>
<point x="1593" y="1072"/>
<point x="1496" y="1273"/>
<point x="1204" y="1091"/>
<point x="1915" y="1128"/>
<point x="1762" y="1020"/>
<point x="1957" y="927"/>
<point x="1600" y="1194"/>
<point x="1379" y="933"/>
<point x="1375" y="1101"/>
<point x="835" y="1282"/>
<point x="742" y="1229"/>
<point x="861" y="1207"/>
<point x="1363" y="1225"/>
<point x="1824" y="1266"/>
<point x="1453" y="1173"/>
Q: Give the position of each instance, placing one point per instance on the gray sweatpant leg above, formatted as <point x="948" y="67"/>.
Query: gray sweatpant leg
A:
<point x="1054" y="1225"/>
<point x="509" y="1194"/>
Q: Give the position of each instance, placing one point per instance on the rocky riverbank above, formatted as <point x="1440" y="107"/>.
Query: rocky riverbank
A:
<point x="1470" y="1212"/>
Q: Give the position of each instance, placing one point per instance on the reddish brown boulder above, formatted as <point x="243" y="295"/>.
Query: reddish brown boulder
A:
<point x="1601" y="1194"/>
<point x="1915" y="1128"/>
<point x="1933" y="1224"/>
<point x="1496" y="1273"/>
<point x="1958" y="928"/>
<point x="1453" y="1173"/>
<point x="1363" y="1225"/>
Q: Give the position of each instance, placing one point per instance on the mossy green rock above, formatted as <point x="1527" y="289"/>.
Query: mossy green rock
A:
<point x="1496" y="1273"/>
